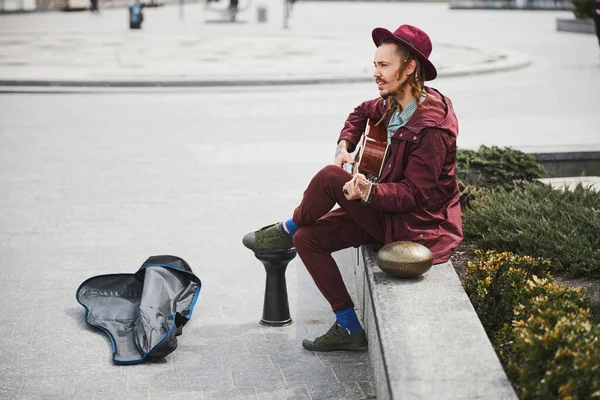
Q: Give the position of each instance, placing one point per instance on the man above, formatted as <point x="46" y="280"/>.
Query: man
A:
<point x="415" y="199"/>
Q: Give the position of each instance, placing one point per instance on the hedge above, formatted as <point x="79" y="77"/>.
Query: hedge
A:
<point x="542" y="331"/>
<point x="537" y="220"/>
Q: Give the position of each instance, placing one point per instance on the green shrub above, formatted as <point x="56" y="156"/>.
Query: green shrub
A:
<point x="582" y="8"/>
<point x="556" y="347"/>
<point x="494" y="281"/>
<point x="493" y="167"/>
<point x="562" y="226"/>
<point x="540" y="330"/>
<point x="494" y="285"/>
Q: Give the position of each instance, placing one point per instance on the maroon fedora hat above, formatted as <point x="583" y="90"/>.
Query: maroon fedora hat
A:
<point x="413" y="38"/>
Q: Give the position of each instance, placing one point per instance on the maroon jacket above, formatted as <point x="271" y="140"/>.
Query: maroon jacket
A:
<point x="417" y="190"/>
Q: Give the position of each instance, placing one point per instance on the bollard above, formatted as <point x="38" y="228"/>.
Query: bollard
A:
<point x="276" y="310"/>
<point x="262" y="14"/>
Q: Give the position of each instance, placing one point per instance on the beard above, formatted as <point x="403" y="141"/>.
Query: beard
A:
<point x="393" y="89"/>
<point x="387" y="93"/>
<point x="390" y="90"/>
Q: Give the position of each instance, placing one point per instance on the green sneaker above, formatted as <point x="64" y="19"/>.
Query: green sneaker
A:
<point x="337" y="338"/>
<point x="269" y="238"/>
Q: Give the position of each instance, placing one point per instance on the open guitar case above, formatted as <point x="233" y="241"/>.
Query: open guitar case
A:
<point x="142" y="313"/>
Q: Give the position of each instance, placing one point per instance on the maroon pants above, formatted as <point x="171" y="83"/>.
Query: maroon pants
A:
<point x="323" y="231"/>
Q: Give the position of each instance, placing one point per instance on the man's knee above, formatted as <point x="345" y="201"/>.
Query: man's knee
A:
<point x="332" y="173"/>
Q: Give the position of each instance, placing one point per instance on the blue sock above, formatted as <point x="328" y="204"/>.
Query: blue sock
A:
<point x="348" y="320"/>
<point x="291" y="227"/>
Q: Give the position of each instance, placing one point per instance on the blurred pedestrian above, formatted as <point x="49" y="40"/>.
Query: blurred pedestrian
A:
<point x="415" y="197"/>
<point x="136" y="15"/>
<point x="596" y="16"/>
<point x="94" y="6"/>
<point x="233" y="9"/>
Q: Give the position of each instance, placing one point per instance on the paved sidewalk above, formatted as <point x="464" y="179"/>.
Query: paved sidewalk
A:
<point x="84" y="194"/>
<point x="80" y="49"/>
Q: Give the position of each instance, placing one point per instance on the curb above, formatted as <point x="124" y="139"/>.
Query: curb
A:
<point x="509" y="62"/>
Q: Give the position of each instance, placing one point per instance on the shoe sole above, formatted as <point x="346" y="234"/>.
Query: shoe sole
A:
<point x="353" y="347"/>
<point x="249" y="244"/>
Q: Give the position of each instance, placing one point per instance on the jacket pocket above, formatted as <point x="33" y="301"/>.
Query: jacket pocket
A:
<point x="424" y="234"/>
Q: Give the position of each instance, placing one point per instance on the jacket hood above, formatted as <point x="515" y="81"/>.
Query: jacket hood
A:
<point x="435" y="112"/>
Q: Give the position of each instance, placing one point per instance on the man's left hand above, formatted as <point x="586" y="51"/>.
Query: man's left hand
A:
<point x="350" y="187"/>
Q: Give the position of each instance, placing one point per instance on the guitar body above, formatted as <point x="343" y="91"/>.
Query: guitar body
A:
<point x="372" y="152"/>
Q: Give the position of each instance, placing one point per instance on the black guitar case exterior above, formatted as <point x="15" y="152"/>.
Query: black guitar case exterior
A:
<point x="142" y="313"/>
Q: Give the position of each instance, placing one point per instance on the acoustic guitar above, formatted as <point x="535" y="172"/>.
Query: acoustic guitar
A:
<point x="372" y="152"/>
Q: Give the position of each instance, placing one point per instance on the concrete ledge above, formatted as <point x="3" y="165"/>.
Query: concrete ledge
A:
<point x="509" y="5"/>
<point x="425" y="339"/>
<point x="575" y="25"/>
<point x="570" y="163"/>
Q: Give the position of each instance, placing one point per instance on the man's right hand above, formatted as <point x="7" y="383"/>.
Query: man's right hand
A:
<point x="341" y="154"/>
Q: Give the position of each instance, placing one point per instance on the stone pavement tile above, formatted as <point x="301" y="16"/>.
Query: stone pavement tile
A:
<point x="63" y="308"/>
<point x="262" y="378"/>
<point x="351" y="373"/>
<point x="176" y="395"/>
<point x="12" y="344"/>
<point x="207" y="332"/>
<point x="21" y="360"/>
<point x="7" y="326"/>
<point x="10" y="384"/>
<point x="287" y="393"/>
<point x="154" y="381"/>
<point x="336" y="391"/>
<point x="48" y="367"/>
<point x="242" y="362"/>
<point x="141" y="394"/>
<point x="215" y="350"/>
<point x="286" y="333"/>
<point x="308" y="374"/>
<point x="17" y="298"/>
<point x="193" y="362"/>
<point x="368" y="388"/>
<point x="207" y="377"/>
<point x="236" y="312"/>
<point x="295" y="358"/>
<point x="93" y="340"/>
<point x="82" y="363"/>
<point x="186" y="354"/>
<point x="90" y="385"/>
<point x="41" y="339"/>
<point x="30" y="326"/>
<point x="225" y="348"/>
<point x="60" y="386"/>
<point x="46" y="396"/>
<point x="207" y="314"/>
<point x="273" y="347"/>
<point x="343" y="357"/>
<point x="245" y="393"/>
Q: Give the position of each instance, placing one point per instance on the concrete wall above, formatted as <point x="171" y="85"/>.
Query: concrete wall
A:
<point x="425" y="339"/>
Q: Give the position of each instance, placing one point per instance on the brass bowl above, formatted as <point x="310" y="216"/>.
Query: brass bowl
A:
<point x="404" y="259"/>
